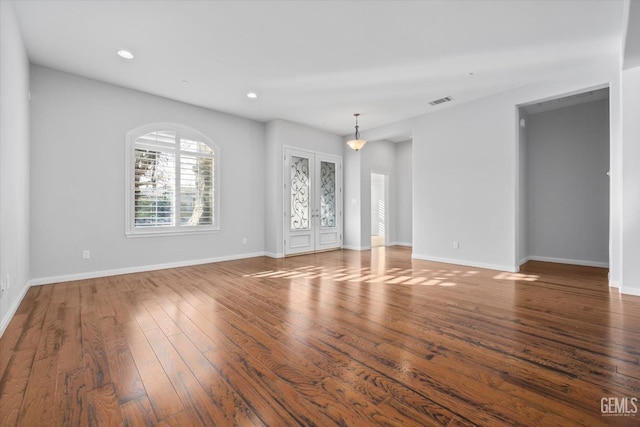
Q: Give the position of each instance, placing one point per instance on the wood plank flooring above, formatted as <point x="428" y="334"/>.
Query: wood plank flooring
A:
<point x="338" y="338"/>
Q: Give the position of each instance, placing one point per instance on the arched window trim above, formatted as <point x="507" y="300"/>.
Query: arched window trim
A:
<point x="182" y="132"/>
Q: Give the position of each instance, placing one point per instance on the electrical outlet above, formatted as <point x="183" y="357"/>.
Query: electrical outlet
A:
<point x="244" y="240"/>
<point x="86" y="254"/>
<point x="456" y="244"/>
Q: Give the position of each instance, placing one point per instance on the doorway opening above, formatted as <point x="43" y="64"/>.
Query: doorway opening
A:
<point x="564" y="184"/>
<point x="379" y="210"/>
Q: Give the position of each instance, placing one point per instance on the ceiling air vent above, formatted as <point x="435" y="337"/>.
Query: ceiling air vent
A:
<point x="441" y="100"/>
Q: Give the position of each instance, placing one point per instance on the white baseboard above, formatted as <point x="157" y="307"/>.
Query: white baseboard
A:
<point x="408" y="244"/>
<point x="12" y="310"/>
<point x="356" y="248"/>
<point x="273" y="255"/>
<point x="138" y="269"/>
<point x="630" y="291"/>
<point x="509" y="268"/>
<point x="567" y="261"/>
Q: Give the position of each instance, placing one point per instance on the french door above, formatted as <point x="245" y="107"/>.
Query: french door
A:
<point x="312" y="201"/>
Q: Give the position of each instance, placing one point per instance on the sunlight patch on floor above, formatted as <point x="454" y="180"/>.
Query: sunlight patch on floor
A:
<point x="391" y="276"/>
<point x="516" y="276"/>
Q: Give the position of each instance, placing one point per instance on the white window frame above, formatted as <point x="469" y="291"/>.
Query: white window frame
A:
<point x="182" y="132"/>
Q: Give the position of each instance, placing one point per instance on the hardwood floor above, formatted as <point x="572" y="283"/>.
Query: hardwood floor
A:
<point x="338" y="338"/>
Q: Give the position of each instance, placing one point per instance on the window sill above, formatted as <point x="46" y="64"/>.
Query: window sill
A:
<point x="170" y="233"/>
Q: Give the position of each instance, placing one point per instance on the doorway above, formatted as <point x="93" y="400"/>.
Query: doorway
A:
<point x="312" y="202"/>
<point x="379" y="209"/>
<point x="564" y="184"/>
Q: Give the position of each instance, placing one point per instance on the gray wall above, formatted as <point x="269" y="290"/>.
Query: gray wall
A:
<point x="78" y="175"/>
<point x="14" y="165"/>
<point x="403" y="191"/>
<point x="568" y="187"/>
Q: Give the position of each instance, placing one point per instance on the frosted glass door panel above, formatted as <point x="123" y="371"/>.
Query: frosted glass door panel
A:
<point x="300" y="208"/>
<point x="327" y="194"/>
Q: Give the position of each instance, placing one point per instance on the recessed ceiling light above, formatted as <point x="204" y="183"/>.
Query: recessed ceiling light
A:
<point x="252" y="95"/>
<point x="470" y="74"/>
<point x="125" y="54"/>
<point x="185" y="81"/>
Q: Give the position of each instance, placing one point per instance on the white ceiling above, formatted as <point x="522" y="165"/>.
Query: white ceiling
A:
<point x="318" y="62"/>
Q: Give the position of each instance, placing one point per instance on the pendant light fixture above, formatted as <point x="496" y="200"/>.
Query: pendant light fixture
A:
<point x="356" y="143"/>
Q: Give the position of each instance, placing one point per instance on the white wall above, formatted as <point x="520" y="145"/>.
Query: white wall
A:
<point x="568" y="186"/>
<point x="615" y="182"/>
<point x="78" y="179"/>
<point x="523" y="195"/>
<point x="625" y="248"/>
<point x="403" y="191"/>
<point x="14" y="165"/>
<point x="352" y="199"/>
<point x="465" y="186"/>
<point x="631" y="179"/>
<point x="281" y="133"/>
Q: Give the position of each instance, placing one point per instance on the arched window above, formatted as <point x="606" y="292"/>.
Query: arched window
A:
<point x="172" y="181"/>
